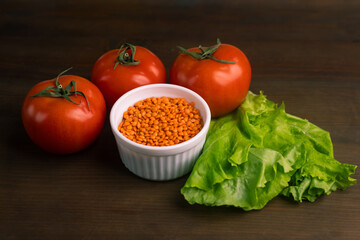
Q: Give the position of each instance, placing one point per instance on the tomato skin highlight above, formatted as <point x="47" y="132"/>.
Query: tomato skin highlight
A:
<point x="113" y="83"/>
<point x="60" y="126"/>
<point x="224" y="86"/>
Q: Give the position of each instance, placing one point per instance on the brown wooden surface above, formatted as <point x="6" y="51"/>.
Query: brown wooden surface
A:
<point x="305" y="53"/>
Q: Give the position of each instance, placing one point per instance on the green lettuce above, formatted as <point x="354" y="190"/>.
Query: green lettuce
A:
<point x="258" y="152"/>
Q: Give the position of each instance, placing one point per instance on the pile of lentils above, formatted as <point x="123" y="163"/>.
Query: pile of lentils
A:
<point x="161" y="121"/>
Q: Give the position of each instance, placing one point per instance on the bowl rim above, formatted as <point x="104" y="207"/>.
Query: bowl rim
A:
<point x="160" y="149"/>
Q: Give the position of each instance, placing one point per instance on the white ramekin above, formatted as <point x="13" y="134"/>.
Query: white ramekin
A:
<point x="159" y="163"/>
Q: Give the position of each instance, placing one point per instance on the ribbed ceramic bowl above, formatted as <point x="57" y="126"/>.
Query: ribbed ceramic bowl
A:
<point x="159" y="163"/>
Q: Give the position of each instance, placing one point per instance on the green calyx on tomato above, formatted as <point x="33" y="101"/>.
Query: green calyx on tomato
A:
<point x="206" y="53"/>
<point x="126" y="56"/>
<point x="59" y="91"/>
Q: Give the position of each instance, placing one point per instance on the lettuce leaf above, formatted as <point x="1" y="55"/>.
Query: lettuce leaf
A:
<point x="258" y="152"/>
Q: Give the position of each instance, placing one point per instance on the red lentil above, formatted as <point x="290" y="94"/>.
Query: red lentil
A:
<point x="161" y="121"/>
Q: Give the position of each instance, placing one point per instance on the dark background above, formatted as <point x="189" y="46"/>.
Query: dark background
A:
<point x="305" y="53"/>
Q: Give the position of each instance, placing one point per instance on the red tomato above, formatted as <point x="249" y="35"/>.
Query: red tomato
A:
<point x="224" y="86"/>
<point x="58" y="125"/>
<point x="114" y="78"/>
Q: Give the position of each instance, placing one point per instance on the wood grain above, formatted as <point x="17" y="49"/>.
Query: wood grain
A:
<point x="303" y="53"/>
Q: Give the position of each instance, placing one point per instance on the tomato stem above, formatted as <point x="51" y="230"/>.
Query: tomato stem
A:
<point x="58" y="91"/>
<point x="206" y="53"/>
<point x="126" y="55"/>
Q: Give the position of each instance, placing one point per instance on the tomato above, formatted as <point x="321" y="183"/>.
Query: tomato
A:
<point x="67" y="124"/>
<point x="221" y="74"/>
<point x="118" y="71"/>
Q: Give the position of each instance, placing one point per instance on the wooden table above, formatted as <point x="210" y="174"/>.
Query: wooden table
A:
<point x="305" y="53"/>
